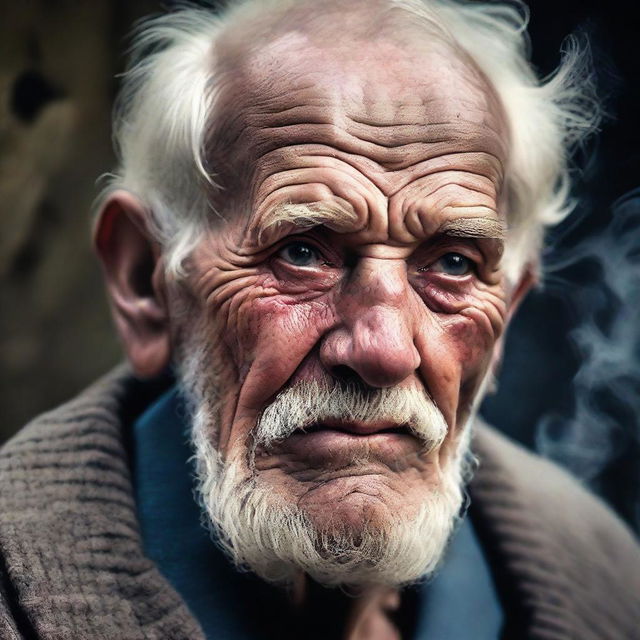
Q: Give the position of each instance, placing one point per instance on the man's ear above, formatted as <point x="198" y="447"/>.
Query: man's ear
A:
<point x="527" y="281"/>
<point x="134" y="273"/>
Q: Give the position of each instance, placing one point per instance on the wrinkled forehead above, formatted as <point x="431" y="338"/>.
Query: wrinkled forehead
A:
<point x="398" y="90"/>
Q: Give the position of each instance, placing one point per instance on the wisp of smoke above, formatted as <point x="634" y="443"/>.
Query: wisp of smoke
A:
<point x="606" y="416"/>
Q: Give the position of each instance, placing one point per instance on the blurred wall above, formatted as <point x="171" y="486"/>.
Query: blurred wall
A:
<point x="57" y="66"/>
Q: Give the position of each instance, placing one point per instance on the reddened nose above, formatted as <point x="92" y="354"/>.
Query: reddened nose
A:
<point x="375" y="337"/>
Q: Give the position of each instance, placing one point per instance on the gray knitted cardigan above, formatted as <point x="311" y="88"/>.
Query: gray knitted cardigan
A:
<point x="72" y="566"/>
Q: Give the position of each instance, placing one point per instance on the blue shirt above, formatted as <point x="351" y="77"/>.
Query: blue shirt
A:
<point x="460" y="603"/>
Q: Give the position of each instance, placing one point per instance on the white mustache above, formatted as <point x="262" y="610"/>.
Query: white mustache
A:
<point x="310" y="402"/>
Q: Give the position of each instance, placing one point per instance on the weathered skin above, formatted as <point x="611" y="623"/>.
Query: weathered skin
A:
<point x="412" y="149"/>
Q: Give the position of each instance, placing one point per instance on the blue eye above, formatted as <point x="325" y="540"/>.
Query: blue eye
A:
<point x="453" y="264"/>
<point x="300" y="254"/>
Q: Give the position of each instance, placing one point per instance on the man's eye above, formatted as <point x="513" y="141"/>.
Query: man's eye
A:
<point x="453" y="264"/>
<point x="300" y="254"/>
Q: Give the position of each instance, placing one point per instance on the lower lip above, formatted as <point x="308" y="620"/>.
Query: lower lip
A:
<point x="330" y="448"/>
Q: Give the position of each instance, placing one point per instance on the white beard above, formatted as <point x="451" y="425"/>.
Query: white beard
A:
<point x="262" y="532"/>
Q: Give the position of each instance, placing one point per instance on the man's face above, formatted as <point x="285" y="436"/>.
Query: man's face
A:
<point x="397" y="287"/>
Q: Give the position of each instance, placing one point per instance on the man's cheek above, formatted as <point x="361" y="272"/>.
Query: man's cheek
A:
<point x="472" y="320"/>
<point x="472" y="338"/>
<point x="455" y="351"/>
<point x="470" y="341"/>
<point x="274" y="336"/>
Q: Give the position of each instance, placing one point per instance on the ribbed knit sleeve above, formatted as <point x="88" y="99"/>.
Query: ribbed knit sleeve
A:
<point x="68" y="530"/>
<point x="572" y="566"/>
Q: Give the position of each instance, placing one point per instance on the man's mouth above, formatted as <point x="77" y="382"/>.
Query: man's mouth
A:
<point x="356" y="428"/>
<point x="336" y="443"/>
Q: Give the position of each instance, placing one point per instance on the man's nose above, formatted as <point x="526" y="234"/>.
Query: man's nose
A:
<point x="375" y="337"/>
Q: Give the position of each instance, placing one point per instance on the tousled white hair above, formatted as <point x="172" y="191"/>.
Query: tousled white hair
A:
<point x="164" y="112"/>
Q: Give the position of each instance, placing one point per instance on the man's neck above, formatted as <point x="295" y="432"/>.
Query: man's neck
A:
<point x="358" y="616"/>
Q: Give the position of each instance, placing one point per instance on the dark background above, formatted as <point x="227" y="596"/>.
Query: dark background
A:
<point x="572" y="353"/>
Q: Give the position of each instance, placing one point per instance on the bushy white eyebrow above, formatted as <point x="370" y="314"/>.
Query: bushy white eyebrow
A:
<point x="478" y="227"/>
<point x="307" y="215"/>
<point x="285" y="216"/>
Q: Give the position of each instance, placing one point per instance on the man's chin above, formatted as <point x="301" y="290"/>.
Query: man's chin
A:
<point x="351" y="504"/>
<point x="358" y="540"/>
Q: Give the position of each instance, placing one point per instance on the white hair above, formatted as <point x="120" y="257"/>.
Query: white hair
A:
<point x="308" y="403"/>
<point x="261" y="532"/>
<point x="164" y="113"/>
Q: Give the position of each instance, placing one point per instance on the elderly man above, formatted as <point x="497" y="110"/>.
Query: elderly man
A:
<point x="324" y="217"/>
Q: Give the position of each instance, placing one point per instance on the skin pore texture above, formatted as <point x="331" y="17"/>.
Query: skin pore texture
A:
<point x="358" y="248"/>
<point x="398" y="157"/>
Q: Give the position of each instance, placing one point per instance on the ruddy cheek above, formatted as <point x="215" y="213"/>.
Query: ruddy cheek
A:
<point x="473" y="330"/>
<point x="470" y="342"/>
<point x="281" y="334"/>
<point x="465" y="297"/>
<point x="457" y="340"/>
